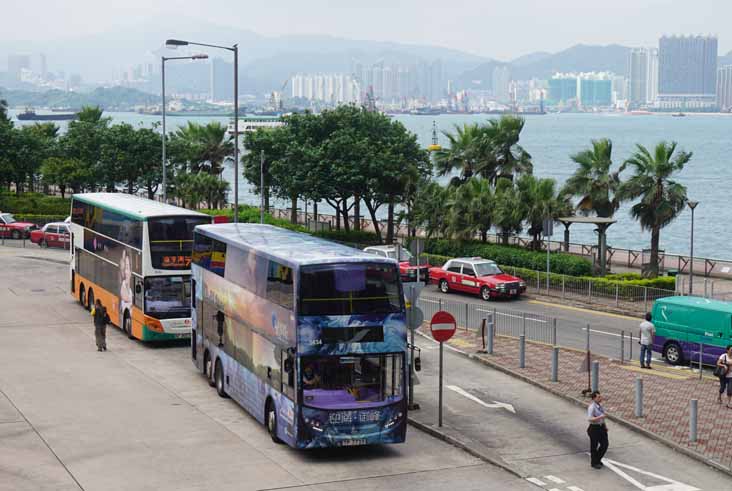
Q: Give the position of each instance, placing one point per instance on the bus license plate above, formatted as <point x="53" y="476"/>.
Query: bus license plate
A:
<point x="353" y="443"/>
<point x="182" y="335"/>
<point x="513" y="292"/>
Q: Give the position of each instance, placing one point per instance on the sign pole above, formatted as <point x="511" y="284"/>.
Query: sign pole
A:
<point x="410" y="403"/>
<point x="439" y="417"/>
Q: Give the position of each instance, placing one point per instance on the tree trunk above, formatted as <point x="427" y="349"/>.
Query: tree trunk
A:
<point x="293" y="210"/>
<point x="356" y="212"/>
<point x="315" y="212"/>
<point x="652" y="269"/>
<point x="504" y="237"/>
<point x="130" y="184"/>
<point x="484" y="235"/>
<point x="372" y="212"/>
<point x="346" y="225"/>
<point x="63" y="191"/>
<point x="266" y="199"/>
<point x="390" y="221"/>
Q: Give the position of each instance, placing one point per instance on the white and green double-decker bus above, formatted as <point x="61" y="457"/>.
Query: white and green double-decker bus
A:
<point x="134" y="254"/>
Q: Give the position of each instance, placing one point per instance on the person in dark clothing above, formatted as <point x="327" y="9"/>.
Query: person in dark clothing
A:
<point x="597" y="431"/>
<point x="101" y="318"/>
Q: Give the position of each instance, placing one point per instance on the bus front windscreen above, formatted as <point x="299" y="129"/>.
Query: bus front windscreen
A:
<point x="168" y="297"/>
<point x="349" y="289"/>
<point x="171" y="241"/>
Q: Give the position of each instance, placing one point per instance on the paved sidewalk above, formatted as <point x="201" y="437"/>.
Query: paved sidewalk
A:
<point x="667" y="392"/>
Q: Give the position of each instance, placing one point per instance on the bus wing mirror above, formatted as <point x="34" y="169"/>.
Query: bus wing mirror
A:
<point x="138" y="289"/>
<point x="417" y="364"/>
<point x="288" y="365"/>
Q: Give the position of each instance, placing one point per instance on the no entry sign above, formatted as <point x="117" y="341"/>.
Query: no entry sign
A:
<point x="442" y="326"/>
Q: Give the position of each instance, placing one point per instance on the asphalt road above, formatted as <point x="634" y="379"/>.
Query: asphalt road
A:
<point x="140" y="416"/>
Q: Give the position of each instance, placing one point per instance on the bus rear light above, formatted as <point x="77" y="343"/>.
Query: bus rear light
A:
<point x="154" y="324"/>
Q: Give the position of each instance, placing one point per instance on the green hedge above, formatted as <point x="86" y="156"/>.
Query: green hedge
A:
<point x="360" y="237"/>
<point x="250" y="214"/>
<point x="39" y="220"/>
<point x="34" y="204"/>
<point x="511" y="256"/>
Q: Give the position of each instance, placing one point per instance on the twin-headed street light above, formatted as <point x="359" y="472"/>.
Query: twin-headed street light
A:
<point x="174" y="43"/>
<point x="163" y="59"/>
<point x="692" y="205"/>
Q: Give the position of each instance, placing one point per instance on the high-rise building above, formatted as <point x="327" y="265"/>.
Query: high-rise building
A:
<point x="563" y="88"/>
<point x="643" y="76"/>
<point x="595" y="89"/>
<point x="724" y="88"/>
<point x="687" y="72"/>
<point x="16" y="64"/>
<point x="501" y="83"/>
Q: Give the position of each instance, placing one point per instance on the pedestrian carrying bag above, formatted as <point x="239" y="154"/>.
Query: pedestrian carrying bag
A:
<point x="721" y="371"/>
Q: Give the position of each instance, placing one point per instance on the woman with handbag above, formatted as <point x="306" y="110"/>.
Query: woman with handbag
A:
<point x="722" y="370"/>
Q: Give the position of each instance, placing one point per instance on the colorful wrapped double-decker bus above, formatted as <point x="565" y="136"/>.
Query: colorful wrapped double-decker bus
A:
<point x="306" y="335"/>
<point x="134" y="254"/>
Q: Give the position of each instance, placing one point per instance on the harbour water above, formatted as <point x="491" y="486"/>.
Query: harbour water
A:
<point x="552" y="138"/>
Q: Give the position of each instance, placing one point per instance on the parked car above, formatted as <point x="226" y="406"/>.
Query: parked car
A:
<point x="12" y="228"/>
<point x="476" y="275"/>
<point x="54" y="234"/>
<point x="407" y="270"/>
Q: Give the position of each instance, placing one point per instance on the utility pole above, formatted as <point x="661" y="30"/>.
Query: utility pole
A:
<point x="261" y="187"/>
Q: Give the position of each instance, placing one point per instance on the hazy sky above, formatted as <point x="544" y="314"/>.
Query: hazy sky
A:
<point x="502" y="29"/>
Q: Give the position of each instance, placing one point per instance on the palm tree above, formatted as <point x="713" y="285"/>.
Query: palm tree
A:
<point x="202" y="147"/>
<point x="509" y="210"/>
<point x="661" y="198"/>
<point x="593" y="180"/>
<point x="481" y="206"/>
<point x="507" y="157"/>
<point x="461" y="154"/>
<point x="541" y="202"/>
<point x="91" y="114"/>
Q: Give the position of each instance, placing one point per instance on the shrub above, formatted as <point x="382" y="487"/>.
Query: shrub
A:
<point x="39" y="220"/>
<point x="357" y="238"/>
<point x="250" y="214"/>
<point x="34" y="204"/>
<point x="511" y="256"/>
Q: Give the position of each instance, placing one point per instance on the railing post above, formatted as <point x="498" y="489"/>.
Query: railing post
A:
<point x="523" y="324"/>
<point x="705" y="288"/>
<point x="554" y="331"/>
<point x="538" y="283"/>
<point x="491" y="335"/>
<point x="638" y="397"/>
<point x="595" y="376"/>
<point x="563" y="287"/>
<point x="645" y="299"/>
<point x="522" y="351"/>
<point x="701" y="361"/>
<point x="466" y="316"/>
<point x="617" y="296"/>
<point x="555" y="364"/>
<point x="622" y="347"/>
<point x="631" y="347"/>
<point x="439" y="303"/>
<point x="589" y="290"/>
<point x="693" y="412"/>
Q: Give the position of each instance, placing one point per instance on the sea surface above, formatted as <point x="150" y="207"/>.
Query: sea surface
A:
<point x="552" y="138"/>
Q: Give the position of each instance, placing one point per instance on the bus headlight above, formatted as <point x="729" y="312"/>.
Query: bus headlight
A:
<point x="393" y="420"/>
<point x="314" y="424"/>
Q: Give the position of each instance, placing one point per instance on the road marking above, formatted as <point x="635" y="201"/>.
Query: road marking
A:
<point x="536" y="481"/>
<point x="604" y="332"/>
<point x="542" y="321"/>
<point x="670" y="486"/>
<point x="554" y="489"/>
<point x="495" y="404"/>
<point x="427" y="300"/>
<point x="574" y="488"/>
<point x="578" y="309"/>
<point x="554" y="479"/>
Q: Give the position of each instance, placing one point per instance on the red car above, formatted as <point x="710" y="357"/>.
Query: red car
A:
<point x="407" y="270"/>
<point x="13" y="229"/>
<point x="54" y="234"/>
<point x="476" y="275"/>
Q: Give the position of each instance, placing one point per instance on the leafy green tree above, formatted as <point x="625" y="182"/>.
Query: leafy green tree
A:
<point x="83" y="142"/>
<point x="65" y="173"/>
<point x="92" y="115"/>
<point x="509" y="210"/>
<point x="431" y="208"/>
<point x="594" y="181"/>
<point x="194" y="189"/>
<point x="4" y="111"/>
<point x="661" y="197"/>
<point x="267" y="141"/>
<point x="127" y="152"/>
<point x="541" y="201"/>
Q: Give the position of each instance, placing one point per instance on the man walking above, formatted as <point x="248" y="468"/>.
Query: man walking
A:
<point x="100" y="325"/>
<point x="597" y="431"/>
<point x="647" y="331"/>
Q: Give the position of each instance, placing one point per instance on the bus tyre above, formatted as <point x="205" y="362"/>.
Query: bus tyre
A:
<point x="485" y="293"/>
<point x="673" y="354"/>
<point x="82" y="295"/>
<point x="271" y="420"/>
<point x="207" y="368"/>
<point x="219" y="378"/>
<point x="90" y="299"/>
<point x="444" y="288"/>
<point x="127" y="324"/>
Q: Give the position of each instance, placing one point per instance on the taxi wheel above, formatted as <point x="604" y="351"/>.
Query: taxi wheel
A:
<point x="444" y="287"/>
<point x="43" y="243"/>
<point x="485" y="293"/>
<point x="15" y="234"/>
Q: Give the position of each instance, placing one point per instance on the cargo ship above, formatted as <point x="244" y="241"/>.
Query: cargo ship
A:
<point x="31" y="115"/>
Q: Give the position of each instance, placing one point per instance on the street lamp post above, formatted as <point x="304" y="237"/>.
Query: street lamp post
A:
<point x="174" y="43"/>
<point x="692" y="205"/>
<point x="163" y="59"/>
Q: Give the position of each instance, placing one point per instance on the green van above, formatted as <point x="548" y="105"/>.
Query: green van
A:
<point x="684" y="323"/>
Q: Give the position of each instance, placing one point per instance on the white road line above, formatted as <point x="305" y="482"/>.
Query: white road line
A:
<point x="574" y="488"/>
<point x="427" y="300"/>
<point x="541" y="321"/>
<point x="555" y="489"/>
<point x="495" y="404"/>
<point x="670" y="486"/>
<point x="536" y="481"/>
<point x="554" y="479"/>
<point x="604" y="332"/>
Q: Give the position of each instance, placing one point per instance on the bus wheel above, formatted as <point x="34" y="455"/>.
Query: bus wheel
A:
<point x="271" y="420"/>
<point x="207" y="368"/>
<point x="444" y="288"/>
<point x="82" y="295"/>
<point x="90" y="299"/>
<point x="127" y="324"/>
<point x="219" y="378"/>
<point x="673" y="353"/>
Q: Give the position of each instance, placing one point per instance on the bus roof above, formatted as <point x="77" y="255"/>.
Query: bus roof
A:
<point x="134" y="206"/>
<point x="697" y="302"/>
<point x="286" y="246"/>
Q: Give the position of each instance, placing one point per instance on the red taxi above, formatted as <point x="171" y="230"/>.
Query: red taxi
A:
<point x="10" y="228"/>
<point x="407" y="270"/>
<point x="476" y="275"/>
<point x="54" y="234"/>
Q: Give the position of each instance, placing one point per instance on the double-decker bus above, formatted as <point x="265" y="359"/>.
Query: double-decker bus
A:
<point x="134" y="254"/>
<point x="306" y="335"/>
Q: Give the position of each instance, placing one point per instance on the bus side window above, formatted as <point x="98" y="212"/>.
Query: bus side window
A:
<point x="138" y="296"/>
<point x="288" y="374"/>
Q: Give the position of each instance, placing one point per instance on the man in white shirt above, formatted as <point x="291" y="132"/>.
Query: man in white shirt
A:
<point x="597" y="431"/>
<point x="647" y="331"/>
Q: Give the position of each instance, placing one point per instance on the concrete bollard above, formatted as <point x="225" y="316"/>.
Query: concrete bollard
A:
<point x="491" y="335"/>
<point x="638" y="397"/>
<point x="555" y="364"/>
<point x="595" y="375"/>
<point x="522" y="351"/>
<point x="693" y="413"/>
